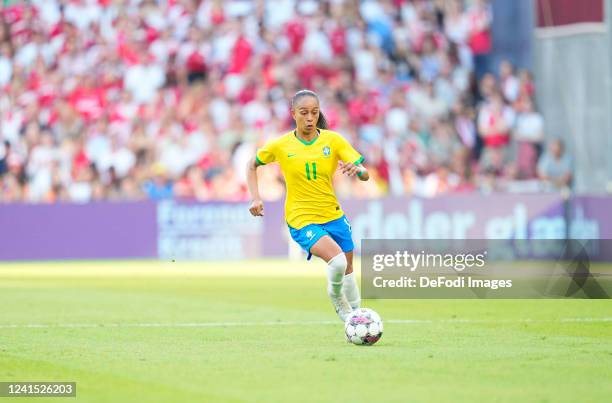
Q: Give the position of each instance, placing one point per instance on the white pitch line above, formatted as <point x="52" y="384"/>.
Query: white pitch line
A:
<point x="186" y="324"/>
<point x="459" y="321"/>
<point x="288" y="323"/>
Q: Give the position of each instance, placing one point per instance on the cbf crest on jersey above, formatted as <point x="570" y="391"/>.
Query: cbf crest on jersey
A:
<point x="326" y="151"/>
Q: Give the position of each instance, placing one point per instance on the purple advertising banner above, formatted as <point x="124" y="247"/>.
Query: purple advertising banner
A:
<point x="77" y="231"/>
<point x="470" y="216"/>
<point x="221" y="231"/>
<point x="207" y="231"/>
<point x="591" y="217"/>
<point x="458" y="217"/>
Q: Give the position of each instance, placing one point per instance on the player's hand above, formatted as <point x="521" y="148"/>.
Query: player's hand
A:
<point x="257" y="208"/>
<point x="349" y="169"/>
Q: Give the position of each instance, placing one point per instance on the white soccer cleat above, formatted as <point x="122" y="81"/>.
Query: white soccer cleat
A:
<point x="342" y="307"/>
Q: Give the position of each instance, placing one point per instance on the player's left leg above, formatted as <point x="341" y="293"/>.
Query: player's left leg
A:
<point x="316" y="241"/>
<point x="340" y="230"/>
<point x="349" y="285"/>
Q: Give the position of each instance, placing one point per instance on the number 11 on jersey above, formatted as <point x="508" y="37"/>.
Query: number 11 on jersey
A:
<point x="311" y="167"/>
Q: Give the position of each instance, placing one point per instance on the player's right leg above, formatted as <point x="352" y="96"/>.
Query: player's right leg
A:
<point x="328" y="250"/>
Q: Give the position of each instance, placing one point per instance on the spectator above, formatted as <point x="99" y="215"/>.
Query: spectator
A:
<point x="509" y="83"/>
<point x="426" y="104"/>
<point x="4" y="153"/>
<point x="144" y="79"/>
<point x="192" y="185"/>
<point x="159" y="187"/>
<point x="480" y="38"/>
<point x="442" y="181"/>
<point x="495" y="120"/>
<point x="40" y="164"/>
<point x="555" y="166"/>
<point x="464" y="124"/>
<point x="528" y="134"/>
<point x="6" y="65"/>
<point x="81" y="188"/>
<point x="456" y="23"/>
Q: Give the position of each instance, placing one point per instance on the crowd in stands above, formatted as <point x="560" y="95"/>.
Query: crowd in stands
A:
<point x="137" y="99"/>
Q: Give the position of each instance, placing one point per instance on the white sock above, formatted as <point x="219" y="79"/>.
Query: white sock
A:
<point x="351" y="290"/>
<point x="335" y="274"/>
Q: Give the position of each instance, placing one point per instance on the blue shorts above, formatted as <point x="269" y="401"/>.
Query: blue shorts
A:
<point x="339" y="230"/>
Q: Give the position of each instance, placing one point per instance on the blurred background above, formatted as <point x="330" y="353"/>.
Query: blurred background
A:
<point x="125" y="125"/>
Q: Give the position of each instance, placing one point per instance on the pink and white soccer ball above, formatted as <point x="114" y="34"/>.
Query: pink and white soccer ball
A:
<point x="363" y="327"/>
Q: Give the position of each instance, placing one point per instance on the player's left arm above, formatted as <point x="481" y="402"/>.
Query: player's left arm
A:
<point x="351" y="170"/>
<point x="351" y="161"/>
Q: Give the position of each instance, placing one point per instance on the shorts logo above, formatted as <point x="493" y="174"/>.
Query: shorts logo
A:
<point x="348" y="225"/>
<point x="326" y="151"/>
<point x="309" y="234"/>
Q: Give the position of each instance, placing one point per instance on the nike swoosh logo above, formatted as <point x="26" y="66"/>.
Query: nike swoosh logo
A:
<point x="290" y="155"/>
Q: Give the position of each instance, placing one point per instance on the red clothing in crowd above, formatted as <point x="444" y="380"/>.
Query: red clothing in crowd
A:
<point x="481" y="40"/>
<point x="337" y="38"/>
<point x="241" y="55"/>
<point x="296" y="32"/>
<point x="89" y="102"/>
<point x="496" y="139"/>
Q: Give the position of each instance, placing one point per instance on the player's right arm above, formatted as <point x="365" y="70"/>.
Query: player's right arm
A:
<point x="265" y="155"/>
<point x="256" y="207"/>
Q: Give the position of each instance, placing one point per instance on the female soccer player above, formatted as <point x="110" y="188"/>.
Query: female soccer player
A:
<point x="308" y="157"/>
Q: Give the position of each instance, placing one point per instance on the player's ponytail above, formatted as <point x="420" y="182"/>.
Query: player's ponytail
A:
<point x="321" y="122"/>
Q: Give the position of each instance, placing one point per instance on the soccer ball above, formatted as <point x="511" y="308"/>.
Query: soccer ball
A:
<point x="363" y="327"/>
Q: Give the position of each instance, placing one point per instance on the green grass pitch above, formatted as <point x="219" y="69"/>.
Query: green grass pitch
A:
<point x="264" y="331"/>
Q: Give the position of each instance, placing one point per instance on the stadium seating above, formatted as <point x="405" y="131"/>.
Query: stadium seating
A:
<point x="107" y="100"/>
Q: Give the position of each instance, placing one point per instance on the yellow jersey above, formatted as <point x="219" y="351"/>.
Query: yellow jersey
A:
<point x="308" y="168"/>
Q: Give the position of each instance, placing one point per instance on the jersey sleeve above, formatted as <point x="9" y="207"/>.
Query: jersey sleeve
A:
<point x="266" y="154"/>
<point x="346" y="151"/>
